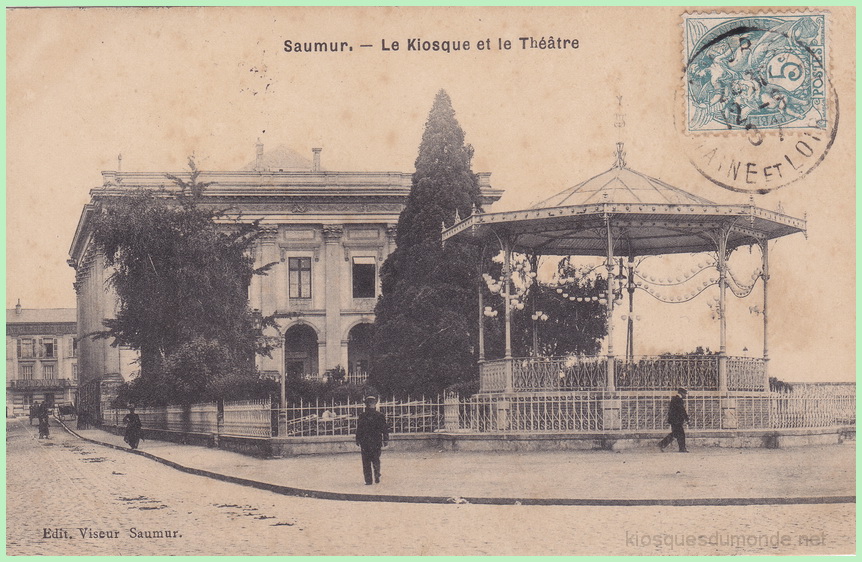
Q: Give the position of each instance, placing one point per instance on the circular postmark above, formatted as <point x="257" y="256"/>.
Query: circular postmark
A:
<point x="758" y="110"/>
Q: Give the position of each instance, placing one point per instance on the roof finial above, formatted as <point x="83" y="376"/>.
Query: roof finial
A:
<point x="621" y="156"/>
<point x="620" y="123"/>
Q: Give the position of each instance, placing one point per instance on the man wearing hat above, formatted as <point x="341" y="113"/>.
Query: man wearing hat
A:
<point x="133" y="428"/>
<point x="676" y="417"/>
<point x="372" y="434"/>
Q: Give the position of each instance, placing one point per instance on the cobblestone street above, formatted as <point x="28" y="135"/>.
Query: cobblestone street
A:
<point x="76" y="491"/>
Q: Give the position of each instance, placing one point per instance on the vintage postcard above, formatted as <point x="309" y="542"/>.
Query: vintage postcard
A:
<point x="515" y="281"/>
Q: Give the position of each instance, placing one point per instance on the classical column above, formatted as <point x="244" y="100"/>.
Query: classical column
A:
<point x="282" y="376"/>
<point x="481" y="322"/>
<point x="391" y="233"/>
<point x="610" y="384"/>
<point x="507" y="281"/>
<point x="630" y="328"/>
<point x="764" y="252"/>
<point x="722" y="309"/>
<point x="267" y="285"/>
<point x="334" y="268"/>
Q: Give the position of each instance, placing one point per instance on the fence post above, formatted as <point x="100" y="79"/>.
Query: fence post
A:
<point x="729" y="419"/>
<point x="219" y="420"/>
<point x="503" y="410"/>
<point x="611" y="418"/>
<point x="450" y="412"/>
<point x="273" y="416"/>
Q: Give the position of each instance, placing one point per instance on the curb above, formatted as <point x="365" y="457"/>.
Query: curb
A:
<point x="341" y="496"/>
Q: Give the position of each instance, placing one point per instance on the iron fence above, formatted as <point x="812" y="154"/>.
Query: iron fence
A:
<point x="493" y="375"/>
<point x="746" y="373"/>
<point x="244" y="419"/>
<point x="308" y="419"/>
<point x="537" y="374"/>
<point x="667" y="372"/>
<point x="647" y="411"/>
<point x="247" y="418"/>
<point x="560" y="412"/>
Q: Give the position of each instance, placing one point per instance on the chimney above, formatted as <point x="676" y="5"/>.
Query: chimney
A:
<point x="315" y="167"/>
<point x="258" y="158"/>
<point x="18" y="307"/>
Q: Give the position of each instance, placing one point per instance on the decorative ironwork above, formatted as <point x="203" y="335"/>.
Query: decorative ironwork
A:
<point x="551" y="414"/>
<point x="667" y="373"/>
<point x="329" y="418"/>
<point x="39" y="384"/>
<point x="573" y="412"/>
<point x="808" y="407"/>
<point x="493" y="376"/>
<point x="648" y="411"/>
<point x="559" y="373"/>
<point x="534" y="374"/>
<point x="746" y="373"/>
<point x="247" y="418"/>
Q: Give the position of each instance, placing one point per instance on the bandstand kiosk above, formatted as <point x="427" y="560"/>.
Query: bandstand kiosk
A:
<point x="624" y="214"/>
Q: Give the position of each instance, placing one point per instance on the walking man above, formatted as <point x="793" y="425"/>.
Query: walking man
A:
<point x="676" y="417"/>
<point x="133" y="428"/>
<point x="43" y="413"/>
<point x="372" y="434"/>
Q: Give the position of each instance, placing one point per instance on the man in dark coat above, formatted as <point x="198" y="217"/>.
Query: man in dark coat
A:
<point x="372" y="434"/>
<point x="133" y="428"/>
<point x="676" y="417"/>
<point x="44" y="413"/>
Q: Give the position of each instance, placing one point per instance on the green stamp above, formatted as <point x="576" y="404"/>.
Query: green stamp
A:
<point x="759" y="71"/>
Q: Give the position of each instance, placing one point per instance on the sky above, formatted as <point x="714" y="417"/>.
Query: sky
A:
<point x="157" y="85"/>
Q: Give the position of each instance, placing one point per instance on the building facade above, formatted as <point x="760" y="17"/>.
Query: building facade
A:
<point x="41" y="357"/>
<point x="328" y="233"/>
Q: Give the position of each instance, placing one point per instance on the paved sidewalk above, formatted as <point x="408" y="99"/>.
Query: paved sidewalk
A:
<point x="79" y="491"/>
<point x="798" y="474"/>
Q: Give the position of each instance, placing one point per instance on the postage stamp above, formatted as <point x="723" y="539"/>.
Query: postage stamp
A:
<point x="757" y="109"/>
<point x="763" y="70"/>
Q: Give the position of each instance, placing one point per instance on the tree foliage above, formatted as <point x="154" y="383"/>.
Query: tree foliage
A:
<point x="181" y="273"/>
<point x="569" y="327"/>
<point x="425" y="328"/>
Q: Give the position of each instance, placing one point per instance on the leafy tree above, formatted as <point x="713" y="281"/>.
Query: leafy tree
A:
<point x="425" y="330"/>
<point x="567" y="327"/>
<point x="181" y="272"/>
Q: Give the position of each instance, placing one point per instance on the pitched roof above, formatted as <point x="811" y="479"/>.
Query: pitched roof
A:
<point x="40" y="315"/>
<point x="621" y="184"/>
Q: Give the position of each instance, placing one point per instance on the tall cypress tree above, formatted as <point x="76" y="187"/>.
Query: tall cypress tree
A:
<point x="425" y="331"/>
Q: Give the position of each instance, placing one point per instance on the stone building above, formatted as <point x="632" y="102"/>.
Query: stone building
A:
<point x="328" y="233"/>
<point x="41" y="357"/>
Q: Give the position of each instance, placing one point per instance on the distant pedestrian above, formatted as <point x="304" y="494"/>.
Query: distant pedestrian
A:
<point x="133" y="428"/>
<point x="43" y="421"/>
<point x="372" y="434"/>
<point x="34" y="412"/>
<point x="676" y="417"/>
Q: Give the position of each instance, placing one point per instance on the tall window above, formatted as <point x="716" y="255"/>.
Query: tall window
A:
<point x="26" y="348"/>
<point x="364" y="278"/>
<point x="74" y="347"/>
<point x="300" y="277"/>
<point x="26" y="372"/>
<point x="48" y="371"/>
<point x="49" y="348"/>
